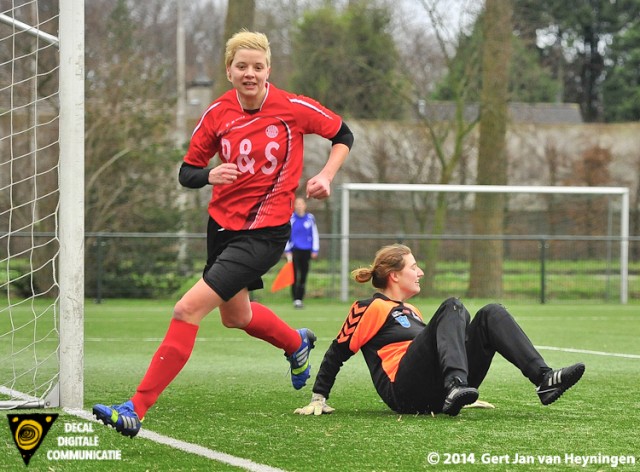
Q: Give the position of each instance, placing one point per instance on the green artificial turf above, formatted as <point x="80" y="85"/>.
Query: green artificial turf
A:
<point x="234" y="396"/>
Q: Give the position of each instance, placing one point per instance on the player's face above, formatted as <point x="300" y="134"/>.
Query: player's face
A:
<point x="408" y="278"/>
<point x="300" y="206"/>
<point x="248" y="73"/>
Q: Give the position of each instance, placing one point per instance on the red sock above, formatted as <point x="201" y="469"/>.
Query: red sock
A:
<point x="266" y="325"/>
<point x="167" y="362"/>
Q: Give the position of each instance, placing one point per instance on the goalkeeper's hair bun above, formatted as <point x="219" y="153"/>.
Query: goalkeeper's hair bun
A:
<point x="362" y="275"/>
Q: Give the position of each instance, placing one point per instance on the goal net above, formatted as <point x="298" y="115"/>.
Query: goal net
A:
<point x="41" y="200"/>
<point x="582" y="233"/>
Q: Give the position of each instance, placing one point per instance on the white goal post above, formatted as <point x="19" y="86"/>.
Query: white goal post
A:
<point x="65" y="314"/>
<point x="347" y="188"/>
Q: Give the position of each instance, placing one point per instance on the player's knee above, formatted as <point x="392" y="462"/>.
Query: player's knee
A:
<point x="184" y="311"/>
<point x="496" y="308"/>
<point x="454" y="307"/>
<point x="238" y="319"/>
<point x="453" y="302"/>
<point x="231" y="322"/>
<point x="494" y="311"/>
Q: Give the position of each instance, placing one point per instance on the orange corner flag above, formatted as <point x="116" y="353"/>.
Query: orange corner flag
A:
<point x="284" y="278"/>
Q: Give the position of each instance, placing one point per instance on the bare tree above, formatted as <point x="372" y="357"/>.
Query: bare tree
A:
<point x="129" y="112"/>
<point x="450" y="138"/>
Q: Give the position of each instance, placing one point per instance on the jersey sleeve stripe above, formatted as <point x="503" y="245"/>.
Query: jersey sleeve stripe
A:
<point x="311" y="106"/>
<point x="195" y="130"/>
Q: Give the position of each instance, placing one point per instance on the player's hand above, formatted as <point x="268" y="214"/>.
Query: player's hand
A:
<point x="318" y="187"/>
<point x="480" y="404"/>
<point x="224" y="174"/>
<point x="317" y="407"/>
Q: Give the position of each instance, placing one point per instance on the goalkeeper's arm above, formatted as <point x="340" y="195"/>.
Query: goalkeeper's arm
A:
<point x="333" y="359"/>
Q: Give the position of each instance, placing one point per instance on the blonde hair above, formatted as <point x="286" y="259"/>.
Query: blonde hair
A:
<point x="388" y="259"/>
<point x="244" y="39"/>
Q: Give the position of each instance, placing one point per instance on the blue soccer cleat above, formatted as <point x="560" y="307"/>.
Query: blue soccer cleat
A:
<point x="121" y="417"/>
<point x="299" y="360"/>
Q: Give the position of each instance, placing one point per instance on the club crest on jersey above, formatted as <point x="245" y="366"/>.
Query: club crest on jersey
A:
<point x="401" y="318"/>
<point x="272" y="131"/>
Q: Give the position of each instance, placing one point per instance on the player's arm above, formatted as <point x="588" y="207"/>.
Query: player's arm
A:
<point x="343" y="136"/>
<point x="365" y="319"/>
<point x="334" y="358"/>
<point x="320" y="186"/>
<point x="315" y="238"/>
<point x="195" y="171"/>
<point x="191" y="176"/>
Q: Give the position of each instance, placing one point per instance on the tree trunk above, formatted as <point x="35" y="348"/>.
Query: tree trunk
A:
<point x="240" y="14"/>
<point x="432" y="250"/>
<point x="488" y="215"/>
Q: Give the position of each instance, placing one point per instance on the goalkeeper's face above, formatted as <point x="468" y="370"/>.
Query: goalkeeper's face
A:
<point x="408" y="279"/>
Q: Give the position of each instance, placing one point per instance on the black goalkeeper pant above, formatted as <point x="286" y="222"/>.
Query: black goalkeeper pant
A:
<point x="453" y="345"/>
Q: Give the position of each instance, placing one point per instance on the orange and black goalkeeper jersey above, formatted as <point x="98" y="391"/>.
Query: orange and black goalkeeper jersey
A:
<point x="382" y="329"/>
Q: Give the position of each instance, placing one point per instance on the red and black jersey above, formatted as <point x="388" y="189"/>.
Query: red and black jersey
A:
<point x="267" y="146"/>
<point x="382" y="329"/>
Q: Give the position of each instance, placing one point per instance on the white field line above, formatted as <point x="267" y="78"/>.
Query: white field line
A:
<point x="190" y="448"/>
<point x="541" y="348"/>
<point x="586" y="351"/>
<point x="245" y="464"/>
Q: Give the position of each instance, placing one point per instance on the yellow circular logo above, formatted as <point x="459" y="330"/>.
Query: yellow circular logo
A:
<point x="28" y="434"/>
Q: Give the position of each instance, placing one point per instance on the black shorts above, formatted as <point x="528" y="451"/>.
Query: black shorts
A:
<point x="239" y="259"/>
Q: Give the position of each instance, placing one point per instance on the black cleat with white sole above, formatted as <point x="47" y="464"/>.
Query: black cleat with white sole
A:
<point x="459" y="394"/>
<point x="556" y="382"/>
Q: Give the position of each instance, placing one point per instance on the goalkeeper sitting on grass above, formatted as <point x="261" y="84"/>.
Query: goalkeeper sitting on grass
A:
<point x="433" y="367"/>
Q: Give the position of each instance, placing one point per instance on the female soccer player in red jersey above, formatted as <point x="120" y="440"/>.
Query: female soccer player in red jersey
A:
<point x="257" y="132"/>
<point x="432" y="367"/>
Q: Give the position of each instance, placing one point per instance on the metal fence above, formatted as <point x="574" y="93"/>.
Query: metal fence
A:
<point x="535" y="267"/>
